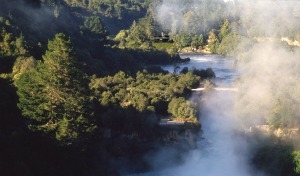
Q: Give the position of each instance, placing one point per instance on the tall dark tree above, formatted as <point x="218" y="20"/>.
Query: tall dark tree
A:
<point x="94" y="34"/>
<point x="55" y="96"/>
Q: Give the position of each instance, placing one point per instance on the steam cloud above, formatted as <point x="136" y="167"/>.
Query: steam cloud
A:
<point x="271" y="75"/>
<point x="269" y="72"/>
<point x="221" y="152"/>
<point x="193" y="17"/>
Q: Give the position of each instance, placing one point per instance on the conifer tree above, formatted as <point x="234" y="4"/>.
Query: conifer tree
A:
<point x="225" y="30"/>
<point x="55" y="96"/>
<point x="213" y="42"/>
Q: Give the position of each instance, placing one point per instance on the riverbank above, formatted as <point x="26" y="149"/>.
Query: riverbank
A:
<point x="201" y="50"/>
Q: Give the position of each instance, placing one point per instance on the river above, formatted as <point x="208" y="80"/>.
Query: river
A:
<point x="222" y="66"/>
<point x="219" y="150"/>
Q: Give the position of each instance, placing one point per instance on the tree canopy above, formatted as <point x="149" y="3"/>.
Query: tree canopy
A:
<point x="55" y="96"/>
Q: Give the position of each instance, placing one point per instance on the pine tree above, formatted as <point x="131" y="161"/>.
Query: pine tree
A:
<point x="55" y="96"/>
<point x="213" y="42"/>
<point x="225" y="30"/>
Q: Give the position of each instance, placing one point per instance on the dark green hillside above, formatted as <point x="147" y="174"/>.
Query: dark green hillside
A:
<point x="71" y="101"/>
<point x="116" y="14"/>
<point x="82" y="92"/>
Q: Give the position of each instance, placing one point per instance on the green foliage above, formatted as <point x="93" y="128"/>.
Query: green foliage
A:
<point x="203" y="74"/>
<point x="22" y="65"/>
<point x="197" y="41"/>
<point x="188" y="40"/>
<point x="30" y="102"/>
<point x="164" y="46"/>
<point x="7" y="43"/>
<point x="225" y="30"/>
<point x="275" y="159"/>
<point x="93" y="36"/>
<point x="235" y="44"/>
<point x="182" y="40"/>
<point x="10" y="45"/>
<point x="122" y="35"/>
<point x="296" y="160"/>
<point x="113" y="8"/>
<point x="137" y="37"/>
<point x="182" y="109"/>
<point x="143" y="92"/>
<point x="94" y="25"/>
<point x="229" y="45"/>
<point x="284" y="113"/>
<point x="55" y="97"/>
<point x="119" y="14"/>
<point x="213" y="41"/>
<point x="230" y="42"/>
<point x="185" y="40"/>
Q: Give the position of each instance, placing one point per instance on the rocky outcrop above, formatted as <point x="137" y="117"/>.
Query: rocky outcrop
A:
<point x="178" y="132"/>
<point x="176" y="136"/>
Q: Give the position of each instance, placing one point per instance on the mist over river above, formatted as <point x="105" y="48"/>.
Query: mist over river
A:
<point x="219" y="150"/>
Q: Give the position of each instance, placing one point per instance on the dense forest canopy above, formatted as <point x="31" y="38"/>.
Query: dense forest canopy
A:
<point x="81" y="92"/>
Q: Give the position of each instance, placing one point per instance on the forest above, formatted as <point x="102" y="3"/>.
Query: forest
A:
<point x="82" y="90"/>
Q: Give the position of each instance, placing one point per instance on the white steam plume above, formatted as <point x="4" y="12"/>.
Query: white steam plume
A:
<point x="270" y="71"/>
<point x="194" y="16"/>
<point x="222" y="152"/>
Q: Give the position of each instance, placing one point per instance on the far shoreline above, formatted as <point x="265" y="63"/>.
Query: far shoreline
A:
<point x="189" y="50"/>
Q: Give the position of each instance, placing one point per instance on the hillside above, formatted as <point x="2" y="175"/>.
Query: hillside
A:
<point x="82" y="91"/>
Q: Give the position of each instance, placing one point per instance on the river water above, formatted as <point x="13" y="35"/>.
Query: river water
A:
<point x="222" y="66"/>
<point x="219" y="150"/>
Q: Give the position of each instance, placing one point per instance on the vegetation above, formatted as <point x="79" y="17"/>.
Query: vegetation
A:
<point x="55" y="96"/>
<point x="273" y="158"/>
<point x="147" y="92"/>
<point x="70" y="95"/>
<point x="81" y="93"/>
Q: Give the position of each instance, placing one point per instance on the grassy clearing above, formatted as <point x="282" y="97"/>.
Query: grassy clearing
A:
<point x="163" y="45"/>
